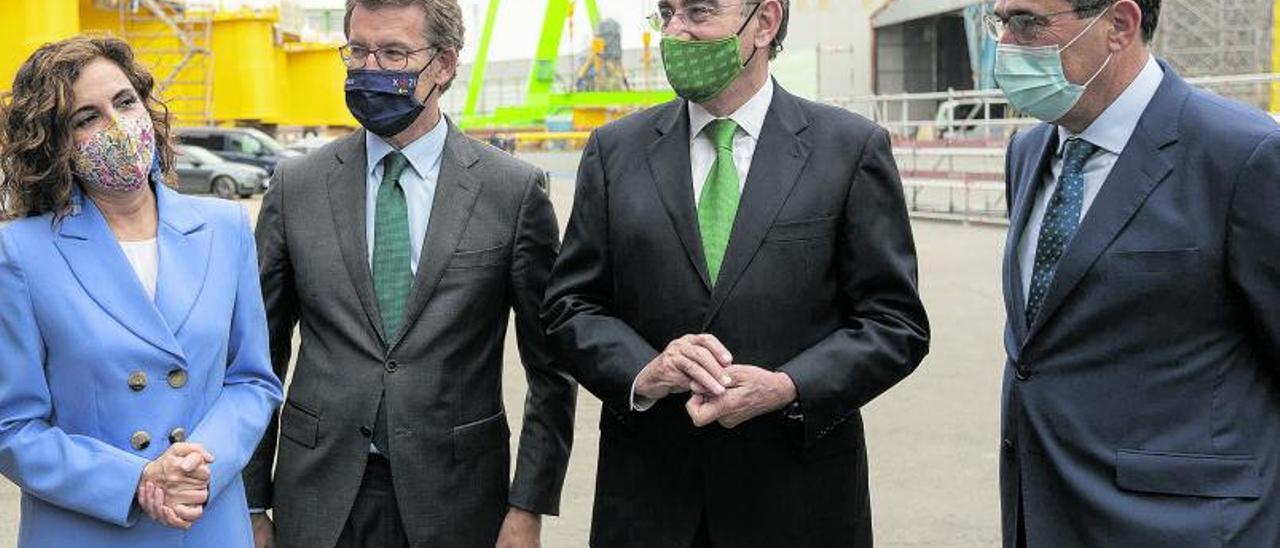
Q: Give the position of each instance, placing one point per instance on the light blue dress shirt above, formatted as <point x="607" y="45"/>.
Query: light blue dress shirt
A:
<point x="1110" y="132"/>
<point x="418" y="181"/>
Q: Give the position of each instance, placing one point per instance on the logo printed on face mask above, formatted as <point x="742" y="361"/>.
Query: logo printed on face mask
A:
<point x="119" y="158"/>
<point x="1034" y="81"/>
<point x="700" y="70"/>
<point x="382" y="100"/>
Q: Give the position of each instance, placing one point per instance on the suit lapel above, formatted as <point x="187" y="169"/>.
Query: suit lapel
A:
<point x="347" y="203"/>
<point x="456" y="192"/>
<point x="1046" y="144"/>
<point x="1146" y="162"/>
<point x="184" y="242"/>
<point x="669" y="164"/>
<point x="94" y="257"/>
<point x="781" y="154"/>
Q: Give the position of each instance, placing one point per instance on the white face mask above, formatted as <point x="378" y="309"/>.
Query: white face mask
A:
<point x="1033" y="79"/>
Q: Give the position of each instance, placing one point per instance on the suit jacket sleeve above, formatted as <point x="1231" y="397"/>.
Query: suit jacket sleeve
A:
<point x="604" y="353"/>
<point x="75" y="472"/>
<point x="233" y="425"/>
<point x="275" y="273"/>
<point x="1253" y="242"/>
<point x="886" y="332"/>
<point x="547" y="434"/>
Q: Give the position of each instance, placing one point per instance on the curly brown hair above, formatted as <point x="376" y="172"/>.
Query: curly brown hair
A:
<point x="36" y="142"/>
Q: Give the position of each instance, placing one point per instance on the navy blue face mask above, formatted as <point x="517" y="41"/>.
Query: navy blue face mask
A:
<point x="382" y="100"/>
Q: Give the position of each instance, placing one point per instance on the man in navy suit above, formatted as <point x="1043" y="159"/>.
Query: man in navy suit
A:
<point x="1141" y="404"/>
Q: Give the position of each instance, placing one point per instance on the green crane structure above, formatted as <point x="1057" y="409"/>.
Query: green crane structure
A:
<point x="540" y="100"/>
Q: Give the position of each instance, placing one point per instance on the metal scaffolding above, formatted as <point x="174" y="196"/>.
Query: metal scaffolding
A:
<point x="1217" y="38"/>
<point x="176" y="36"/>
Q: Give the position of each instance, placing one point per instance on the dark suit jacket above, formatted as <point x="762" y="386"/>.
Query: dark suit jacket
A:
<point x="489" y="249"/>
<point x="819" y="281"/>
<point x="1142" y="407"/>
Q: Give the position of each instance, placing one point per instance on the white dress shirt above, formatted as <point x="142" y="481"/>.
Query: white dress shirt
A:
<point x="1111" y="133"/>
<point x="702" y="156"/>
<point x="144" y="257"/>
<point x="702" y="152"/>
<point x="418" y="181"/>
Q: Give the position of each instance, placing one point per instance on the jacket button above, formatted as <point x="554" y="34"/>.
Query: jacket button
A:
<point x="1022" y="373"/>
<point x="177" y="378"/>
<point x="366" y="431"/>
<point x="1007" y="444"/>
<point x="140" y="440"/>
<point x="137" y="381"/>
<point x="177" y="435"/>
<point x="392" y="366"/>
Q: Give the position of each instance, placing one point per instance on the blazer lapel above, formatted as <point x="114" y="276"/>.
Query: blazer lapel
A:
<point x="781" y="154"/>
<point x="1146" y="162"/>
<point x="94" y="257"/>
<point x="347" y="202"/>
<point x="1029" y="184"/>
<point x="456" y="192"/>
<point x="669" y="164"/>
<point x="184" y="242"/>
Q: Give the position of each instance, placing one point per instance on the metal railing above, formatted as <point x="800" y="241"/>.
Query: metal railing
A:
<point x="950" y="145"/>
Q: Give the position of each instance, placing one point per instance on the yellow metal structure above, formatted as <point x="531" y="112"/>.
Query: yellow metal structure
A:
<point x="1275" y="58"/>
<point x="314" y="95"/>
<point x="257" y="74"/>
<point x="246" y="68"/>
<point x="26" y="24"/>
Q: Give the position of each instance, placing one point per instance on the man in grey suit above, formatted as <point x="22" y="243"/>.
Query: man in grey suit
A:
<point x="1141" y="394"/>
<point x="401" y="252"/>
<point x="752" y="247"/>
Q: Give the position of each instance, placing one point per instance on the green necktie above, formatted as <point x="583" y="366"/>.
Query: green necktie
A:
<point x="392" y="271"/>
<point x="719" y="202"/>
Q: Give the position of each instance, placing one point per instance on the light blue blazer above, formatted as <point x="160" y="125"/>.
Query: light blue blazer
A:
<point x="90" y="367"/>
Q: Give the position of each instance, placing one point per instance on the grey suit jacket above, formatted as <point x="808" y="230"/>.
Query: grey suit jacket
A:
<point x="1142" y="406"/>
<point x="489" y="249"/>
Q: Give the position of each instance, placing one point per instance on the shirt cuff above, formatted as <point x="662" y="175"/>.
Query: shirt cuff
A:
<point x="638" y="402"/>
<point x="253" y="511"/>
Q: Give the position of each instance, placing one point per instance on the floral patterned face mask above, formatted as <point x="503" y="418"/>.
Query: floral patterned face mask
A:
<point x="118" y="158"/>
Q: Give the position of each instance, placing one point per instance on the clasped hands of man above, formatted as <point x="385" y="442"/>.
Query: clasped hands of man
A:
<point x="723" y="391"/>
<point x="174" y="488"/>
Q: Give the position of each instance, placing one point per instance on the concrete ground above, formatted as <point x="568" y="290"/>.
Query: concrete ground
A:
<point x="932" y="439"/>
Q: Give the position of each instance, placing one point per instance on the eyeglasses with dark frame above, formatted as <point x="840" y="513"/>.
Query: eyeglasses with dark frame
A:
<point x="356" y="56"/>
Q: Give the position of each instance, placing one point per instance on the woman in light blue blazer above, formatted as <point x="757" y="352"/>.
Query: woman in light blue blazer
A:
<point x="134" y="376"/>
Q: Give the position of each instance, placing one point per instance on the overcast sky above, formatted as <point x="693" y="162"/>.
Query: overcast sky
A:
<point x="519" y="23"/>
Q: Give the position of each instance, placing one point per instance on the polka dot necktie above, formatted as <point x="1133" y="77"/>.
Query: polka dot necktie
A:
<point x="1061" y="219"/>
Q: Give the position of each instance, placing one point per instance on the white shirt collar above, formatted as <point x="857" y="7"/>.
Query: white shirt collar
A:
<point x="423" y="153"/>
<point x="750" y="116"/>
<point x="1112" y="130"/>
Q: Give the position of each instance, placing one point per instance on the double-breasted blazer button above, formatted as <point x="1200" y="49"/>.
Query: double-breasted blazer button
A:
<point x="392" y="366"/>
<point x="177" y="435"/>
<point x="137" y="381"/>
<point x="140" y="440"/>
<point x="177" y="378"/>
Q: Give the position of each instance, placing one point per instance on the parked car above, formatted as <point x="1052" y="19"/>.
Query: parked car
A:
<point x="310" y="144"/>
<point x="238" y="144"/>
<point x="200" y="171"/>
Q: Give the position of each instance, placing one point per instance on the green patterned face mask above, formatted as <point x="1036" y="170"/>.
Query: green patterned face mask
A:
<point x="700" y="70"/>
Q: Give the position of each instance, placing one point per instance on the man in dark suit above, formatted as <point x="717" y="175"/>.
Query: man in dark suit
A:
<point x="1142" y="286"/>
<point x="752" y="247"/>
<point x="401" y="251"/>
